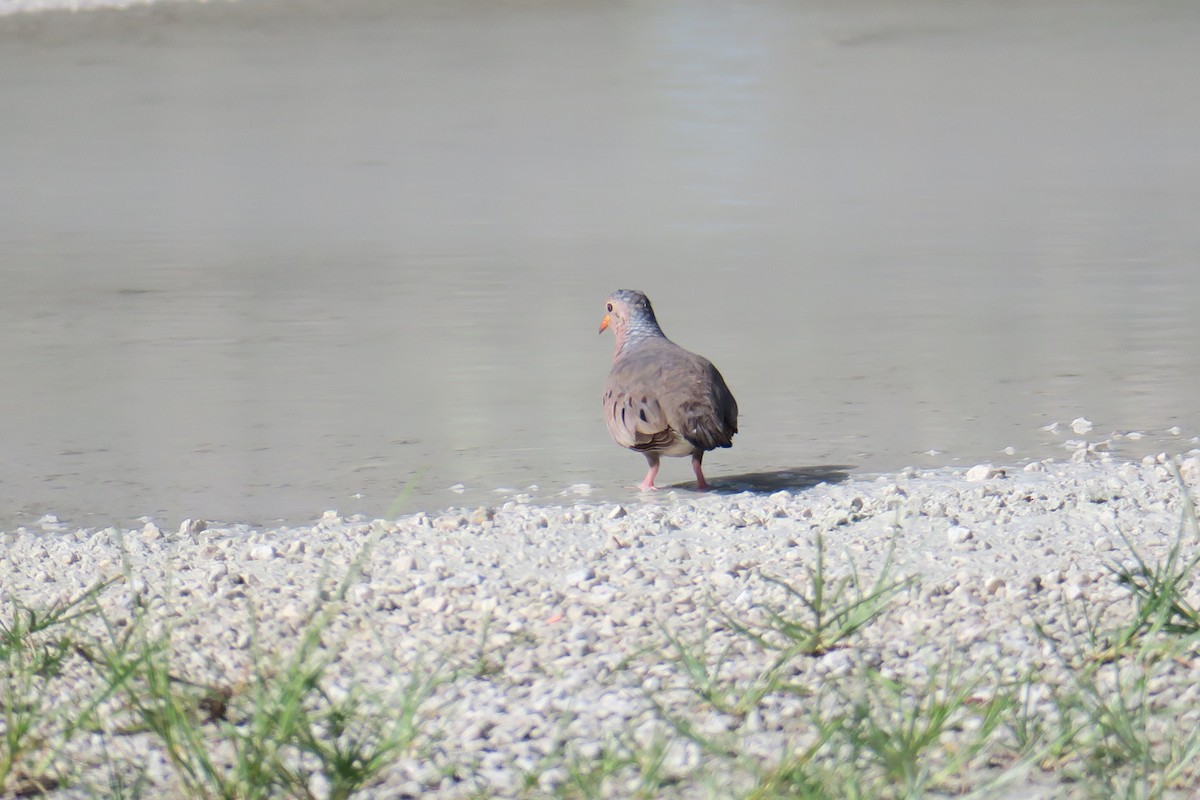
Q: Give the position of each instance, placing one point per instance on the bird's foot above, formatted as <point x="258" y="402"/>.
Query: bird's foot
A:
<point x="647" y="484"/>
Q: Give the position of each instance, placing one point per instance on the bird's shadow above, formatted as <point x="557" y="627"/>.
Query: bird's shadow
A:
<point x="790" y="479"/>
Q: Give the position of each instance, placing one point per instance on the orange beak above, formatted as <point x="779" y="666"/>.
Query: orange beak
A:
<point x="604" y="323"/>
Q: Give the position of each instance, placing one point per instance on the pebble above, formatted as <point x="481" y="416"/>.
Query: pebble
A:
<point x="958" y="534"/>
<point x="581" y="575"/>
<point x="450" y="522"/>
<point x="722" y="579"/>
<point x="262" y="552"/>
<point x="191" y="527"/>
<point x="677" y="552"/>
<point x="1189" y="468"/>
<point x="983" y="472"/>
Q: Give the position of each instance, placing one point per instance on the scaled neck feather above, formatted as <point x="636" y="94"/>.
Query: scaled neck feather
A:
<point x="638" y="330"/>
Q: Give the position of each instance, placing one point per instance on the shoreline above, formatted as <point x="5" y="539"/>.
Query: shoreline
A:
<point x="13" y="7"/>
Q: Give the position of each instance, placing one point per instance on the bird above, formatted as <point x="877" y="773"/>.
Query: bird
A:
<point x="660" y="399"/>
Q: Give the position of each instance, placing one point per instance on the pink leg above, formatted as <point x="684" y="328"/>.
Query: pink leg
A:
<point x="701" y="484"/>
<point x="647" y="484"/>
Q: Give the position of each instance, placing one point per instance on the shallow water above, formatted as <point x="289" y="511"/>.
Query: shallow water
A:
<point x="268" y="258"/>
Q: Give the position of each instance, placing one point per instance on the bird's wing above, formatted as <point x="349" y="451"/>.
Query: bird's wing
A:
<point x="661" y="393"/>
<point x="632" y="411"/>
<point x="698" y="403"/>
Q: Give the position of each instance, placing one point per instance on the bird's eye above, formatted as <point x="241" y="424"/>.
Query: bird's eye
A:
<point x="608" y="308"/>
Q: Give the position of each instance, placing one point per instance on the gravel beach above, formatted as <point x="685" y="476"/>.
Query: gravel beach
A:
<point x="560" y="633"/>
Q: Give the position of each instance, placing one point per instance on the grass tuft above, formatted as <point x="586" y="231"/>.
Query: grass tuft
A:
<point x="825" y="610"/>
<point x="35" y="646"/>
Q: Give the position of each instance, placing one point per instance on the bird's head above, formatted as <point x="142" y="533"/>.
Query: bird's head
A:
<point x="629" y="314"/>
<point x="624" y="309"/>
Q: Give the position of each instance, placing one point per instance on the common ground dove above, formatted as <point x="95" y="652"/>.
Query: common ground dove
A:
<point x="660" y="399"/>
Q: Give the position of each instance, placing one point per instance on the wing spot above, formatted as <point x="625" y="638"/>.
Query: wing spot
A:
<point x="642" y="414"/>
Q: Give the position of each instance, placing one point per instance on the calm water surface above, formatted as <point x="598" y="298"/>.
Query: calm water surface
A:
<point x="263" y="259"/>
